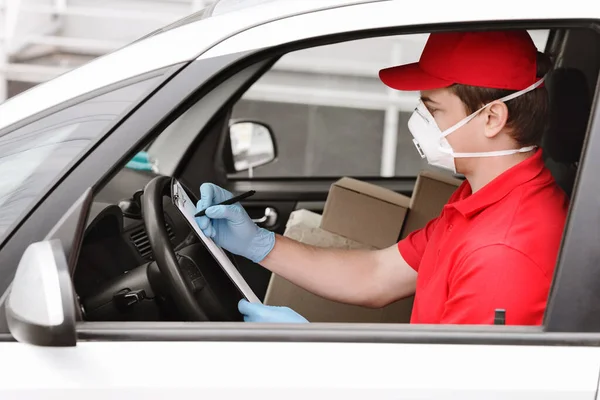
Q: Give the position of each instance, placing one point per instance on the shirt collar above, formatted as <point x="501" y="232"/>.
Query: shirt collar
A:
<point x="470" y="204"/>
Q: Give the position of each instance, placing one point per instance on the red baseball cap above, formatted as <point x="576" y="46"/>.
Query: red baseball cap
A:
<point x="490" y="59"/>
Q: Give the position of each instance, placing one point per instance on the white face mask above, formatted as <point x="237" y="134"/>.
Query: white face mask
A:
<point x="432" y="144"/>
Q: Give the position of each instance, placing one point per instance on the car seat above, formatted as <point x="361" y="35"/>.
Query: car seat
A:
<point x="569" y="111"/>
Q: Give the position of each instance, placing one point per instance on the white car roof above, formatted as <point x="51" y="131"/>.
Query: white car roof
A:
<point x="186" y="42"/>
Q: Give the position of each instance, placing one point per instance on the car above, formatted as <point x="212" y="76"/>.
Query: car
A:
<point x="106" y="292"/>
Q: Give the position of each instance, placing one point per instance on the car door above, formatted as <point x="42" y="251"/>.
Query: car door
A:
<point x="69" y="358"/>
<point x="73" y="359"/>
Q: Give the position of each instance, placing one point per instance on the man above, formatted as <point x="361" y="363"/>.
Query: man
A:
<point x="482" y="113"/>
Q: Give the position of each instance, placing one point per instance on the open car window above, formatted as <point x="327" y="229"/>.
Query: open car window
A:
<point x="327" y="108"/>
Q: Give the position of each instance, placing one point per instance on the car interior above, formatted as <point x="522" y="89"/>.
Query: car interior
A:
<point x="140" y="261"/>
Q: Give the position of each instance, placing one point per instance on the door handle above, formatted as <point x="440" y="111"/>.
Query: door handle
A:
<point x="269" y="219"/>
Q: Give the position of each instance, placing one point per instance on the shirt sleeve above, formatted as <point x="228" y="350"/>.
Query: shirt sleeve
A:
<point x="496" y="277"/>
<point x="413" y="246"/>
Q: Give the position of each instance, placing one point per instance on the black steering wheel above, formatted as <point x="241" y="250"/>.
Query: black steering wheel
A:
<point x="164" y="255"/>
<point x="211" y="296"/>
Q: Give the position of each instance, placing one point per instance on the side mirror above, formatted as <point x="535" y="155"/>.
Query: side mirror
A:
<point x="40" y="308"/>
<point x="252" y="144"/>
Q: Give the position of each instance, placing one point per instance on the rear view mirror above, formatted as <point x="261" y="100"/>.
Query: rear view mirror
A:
<point x="40" y="308"/>
<point x="252" y="145"/>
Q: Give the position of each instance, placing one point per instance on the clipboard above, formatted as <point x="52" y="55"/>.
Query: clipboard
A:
<point x="187" y="208"/>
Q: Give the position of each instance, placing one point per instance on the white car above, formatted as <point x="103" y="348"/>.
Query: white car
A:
<point x="107" y="295"/>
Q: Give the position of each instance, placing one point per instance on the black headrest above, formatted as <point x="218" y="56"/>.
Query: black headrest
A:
<point x="569" y="112"/>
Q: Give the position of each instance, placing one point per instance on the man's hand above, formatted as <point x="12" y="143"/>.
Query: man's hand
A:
<point x="231" y="227"/>
<point x="253" y="312"/>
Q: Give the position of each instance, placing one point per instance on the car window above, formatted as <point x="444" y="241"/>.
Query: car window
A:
<point x="330" y="114"/>
<point x="327" y="109"/>
<point x="33" y="156"/>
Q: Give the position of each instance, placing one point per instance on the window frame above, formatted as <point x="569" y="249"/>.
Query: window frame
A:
<point x="567" y="311"/>
<point x="579" y="332"/>
<point x="137" y="129"/>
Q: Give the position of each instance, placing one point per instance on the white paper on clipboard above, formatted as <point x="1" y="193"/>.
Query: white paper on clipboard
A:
<point x="188" y="209"/>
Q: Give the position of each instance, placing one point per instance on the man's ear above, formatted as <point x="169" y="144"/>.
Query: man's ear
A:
<point x="496" y="115"/>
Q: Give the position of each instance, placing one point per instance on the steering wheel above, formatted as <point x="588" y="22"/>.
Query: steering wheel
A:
<point x="215" y="298"/>
<point x="164" y="255"/>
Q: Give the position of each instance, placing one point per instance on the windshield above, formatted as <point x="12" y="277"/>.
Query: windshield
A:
<point x="34" y="156"/>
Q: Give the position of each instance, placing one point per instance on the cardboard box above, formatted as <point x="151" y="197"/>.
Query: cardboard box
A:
<point x="432" y="191"/>
<point x="303" y="226"/>
<point x="364" y="212"/>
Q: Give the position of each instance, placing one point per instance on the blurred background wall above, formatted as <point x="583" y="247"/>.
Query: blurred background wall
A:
<point x="329" y="112"/>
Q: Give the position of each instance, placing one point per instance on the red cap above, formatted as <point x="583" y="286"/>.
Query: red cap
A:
<point x="494" y="59"/>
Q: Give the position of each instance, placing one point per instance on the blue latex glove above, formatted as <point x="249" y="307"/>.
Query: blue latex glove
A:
<point x="231" y="227"/>
<point x="141" y="161"/>
<point x="141" y="156"/>
<point x="253" y="312"/>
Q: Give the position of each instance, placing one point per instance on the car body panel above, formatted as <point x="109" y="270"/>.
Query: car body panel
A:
<point x="395" y="14"/>
<point x="211" y="370"/>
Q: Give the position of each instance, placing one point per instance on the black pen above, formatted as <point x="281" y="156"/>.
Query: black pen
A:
<point x="232" y="200"/>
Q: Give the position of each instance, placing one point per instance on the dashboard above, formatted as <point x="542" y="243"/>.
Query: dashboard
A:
<point x="116" y="258"/>
<point x="123" y="235"/>
<point x="116" y="277"/>
<point x="114" y="244"/>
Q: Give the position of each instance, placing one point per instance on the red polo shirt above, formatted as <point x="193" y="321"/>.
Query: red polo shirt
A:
<point x="494" y="249"/>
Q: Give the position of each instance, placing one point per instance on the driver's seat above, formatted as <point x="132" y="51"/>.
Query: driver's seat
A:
<point x="569" y="112"/>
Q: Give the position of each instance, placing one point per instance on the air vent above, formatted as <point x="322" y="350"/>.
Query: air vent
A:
<point x="139" y="238"/>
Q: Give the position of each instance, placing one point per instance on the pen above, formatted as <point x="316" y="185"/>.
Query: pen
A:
<point x="232" y="200"/>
